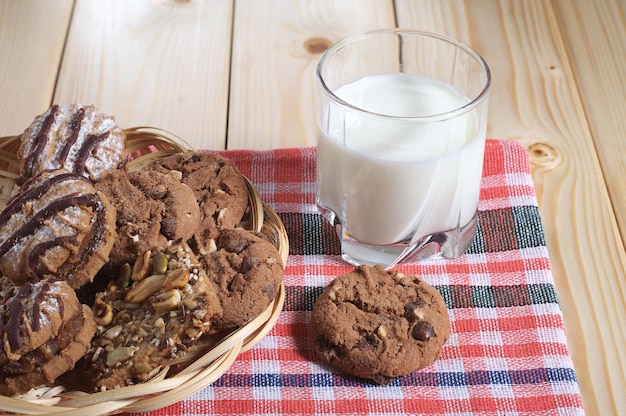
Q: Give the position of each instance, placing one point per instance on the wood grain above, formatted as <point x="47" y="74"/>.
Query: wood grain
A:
<point x="276" y="46"/>
<point x="162" y="64"/>
<point x="535" y="101"/>
<point x="599" y="60"/>
<point x="558" y="88"/>
<point x="32" y="34"/>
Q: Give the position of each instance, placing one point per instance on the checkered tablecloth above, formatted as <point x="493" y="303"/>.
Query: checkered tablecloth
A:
<point x="507" y="354"/>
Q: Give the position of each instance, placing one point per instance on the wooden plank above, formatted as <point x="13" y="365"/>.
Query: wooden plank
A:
<point x="171" y="70"/>
<point x="534" y="100"/>
<point x="276" y="46"/>
<point x="595" y="38"/>
<point x="27" y="81"/>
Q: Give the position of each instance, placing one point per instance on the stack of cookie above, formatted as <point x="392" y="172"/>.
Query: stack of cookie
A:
<point x="116" y="272"/>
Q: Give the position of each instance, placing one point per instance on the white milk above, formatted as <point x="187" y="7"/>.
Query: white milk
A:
<point x="389" y="179"/>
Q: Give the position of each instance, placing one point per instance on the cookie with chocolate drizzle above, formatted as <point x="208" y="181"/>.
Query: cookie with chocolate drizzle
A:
<point x="75" y="137"/>
<point x="57" y="224"/>
<point x="379" y="324"/>
<point x="44" y="331"/>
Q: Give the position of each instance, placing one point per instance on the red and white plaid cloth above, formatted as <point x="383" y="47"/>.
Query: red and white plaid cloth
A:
<point x="507" y="354"/>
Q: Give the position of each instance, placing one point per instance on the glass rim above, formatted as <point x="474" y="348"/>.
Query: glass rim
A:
<point x="475" y="101"/>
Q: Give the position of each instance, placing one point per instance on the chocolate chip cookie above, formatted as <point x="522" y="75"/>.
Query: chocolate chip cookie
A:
<point x="378" y="325"/>
<point x="152" y="208"/>
<point x="75" y="137"/>
<point x="246" y="270"/>
<point x="219" y="187"/>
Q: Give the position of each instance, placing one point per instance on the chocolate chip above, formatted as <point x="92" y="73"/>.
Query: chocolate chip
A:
<point x="409" y="308"/>
<point x="249" y="263"/>
<point x="237" y="246"/>
<point x="159" y="193"/>
<point x="168" y="227"/>
<point x="422" y="331"/>
<point x="369" y="342"/>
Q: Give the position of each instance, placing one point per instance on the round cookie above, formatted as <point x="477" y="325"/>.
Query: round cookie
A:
<point x="152" y="208"/>
<point x="219" y="187"/>
<point x="57" y="224"/>
<point x="247" y="271"/>
<point x="44" y="332"/>
<point x="76" y="137"/>
<point x="378" y="325"/>
<point x="149" y="316"/>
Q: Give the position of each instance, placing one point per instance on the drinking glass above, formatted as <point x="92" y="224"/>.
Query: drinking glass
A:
<point x="401" y="134"/>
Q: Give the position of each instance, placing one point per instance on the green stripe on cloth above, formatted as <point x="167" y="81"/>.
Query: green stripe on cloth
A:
<point x="302" y="298"/>
<point x="499" y="230"/>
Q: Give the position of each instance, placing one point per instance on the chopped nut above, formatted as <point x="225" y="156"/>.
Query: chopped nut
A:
<point x="159" y="263"/>
<point x="125" y="275"/>
<point x="119" y="354"/>
<point x="191" y="302"/>
<point x="176" y="174"/>
<point x="382" y="332"/>
<point x="102" y="312"/>
<point x="96" y="354"/>
<point x="113" y="332"/>
<point x="192" y="333"/>
<point x="220" y="215"/>
<point x="419" y="314"/>
<point x="200" y="314"/>
<point x="166" y="301"/>
<point x="333" y="291"/>
<point x="159" y="325"/>
<point x="145" y="288"/>
<point x="141" y="268"/>
<point x="177" y="278"/>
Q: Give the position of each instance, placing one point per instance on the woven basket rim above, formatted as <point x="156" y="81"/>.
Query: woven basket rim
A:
<point x="203" y="366"/>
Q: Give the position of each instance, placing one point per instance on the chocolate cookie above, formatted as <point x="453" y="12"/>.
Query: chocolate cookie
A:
<point x="57" y="224"/>
<point x="44" y="332"/>
<point x="247" y="271"/>
<point x="152" y="208"/>
<point x="75" y="137"/>
<point x="378" y="324"/>
<point x="149" y="316"/>
<point x="218" y="185"/>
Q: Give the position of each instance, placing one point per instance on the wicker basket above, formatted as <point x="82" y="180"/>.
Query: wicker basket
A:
<point x="203" y="364"/>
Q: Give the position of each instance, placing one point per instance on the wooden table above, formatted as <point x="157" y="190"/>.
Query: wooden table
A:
<point x="225" y="74"/>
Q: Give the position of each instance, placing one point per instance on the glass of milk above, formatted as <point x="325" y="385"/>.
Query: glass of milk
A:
<point x="401" y="134"/>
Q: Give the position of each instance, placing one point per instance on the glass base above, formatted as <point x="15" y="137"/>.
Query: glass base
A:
<point x="446" y="244"/>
